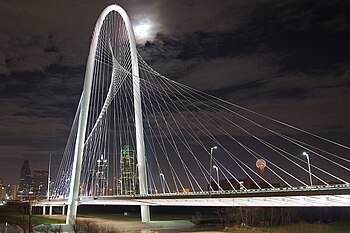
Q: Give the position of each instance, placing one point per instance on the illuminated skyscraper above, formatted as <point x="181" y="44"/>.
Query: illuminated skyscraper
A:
<point x="2" y="191"/>
<point x="12" y="191"/>
<point x="101" y="177"/>
<point x="127" y="171"/>
<point x="25" y="180"/>
<point x="40" y="183"/>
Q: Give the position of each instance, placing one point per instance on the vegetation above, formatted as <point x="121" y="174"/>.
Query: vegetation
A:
<point x="237" y="216"/>
<point x="17" y="215"/>
<point x="13" y="215"/>
<point x="284" y="220"/>
<point x="236" y="220"/>
<point x="340" y="226"/>
<point x="304" y="227"/>
<point x="335" y="227"/>
<point x="39" y="219"/>
<point x="230" y="220"/>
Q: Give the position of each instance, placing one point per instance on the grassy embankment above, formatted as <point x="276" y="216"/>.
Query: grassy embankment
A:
<point x="13" y="215"/>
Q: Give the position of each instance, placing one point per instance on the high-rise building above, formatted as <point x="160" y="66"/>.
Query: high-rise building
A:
<point x="2" y="191"/>
<point x="101" y="176"/>
<point x="40" y="183"/>
<point x="25" y="180"/>
<point x="9" y="192"/>
<point x="127" y="171"/>
<point x="12" y="190"/>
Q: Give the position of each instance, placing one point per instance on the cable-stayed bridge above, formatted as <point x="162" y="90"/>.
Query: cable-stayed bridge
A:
<point x="139" y="138"/>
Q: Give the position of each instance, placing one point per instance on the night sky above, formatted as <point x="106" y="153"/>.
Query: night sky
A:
<point x="287" y="59"/>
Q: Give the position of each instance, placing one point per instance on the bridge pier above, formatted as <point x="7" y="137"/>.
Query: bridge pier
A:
<point x="51" y="209"/>
<point x="145" y="213"/>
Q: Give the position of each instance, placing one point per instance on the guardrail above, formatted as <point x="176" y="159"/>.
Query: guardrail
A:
<point x="232" y="192"/>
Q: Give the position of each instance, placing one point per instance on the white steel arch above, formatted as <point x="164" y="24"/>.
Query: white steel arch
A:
<point x="73" y="200"/>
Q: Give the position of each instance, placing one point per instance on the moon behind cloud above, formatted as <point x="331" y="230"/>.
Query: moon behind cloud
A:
<point x="143" y="30"/>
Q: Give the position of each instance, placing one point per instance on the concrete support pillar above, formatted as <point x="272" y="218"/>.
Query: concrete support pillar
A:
<point x="64" y="210"/>
<point x="44" y="210"/>
<point x="145" y="213"/>
<point x="50" y="210"/>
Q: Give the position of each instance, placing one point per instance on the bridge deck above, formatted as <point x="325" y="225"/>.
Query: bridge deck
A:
<point x="337" y="195"/>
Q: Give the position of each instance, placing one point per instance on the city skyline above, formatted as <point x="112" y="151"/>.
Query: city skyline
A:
<point x="29" y="183"/>
<point x="287" y="60"/>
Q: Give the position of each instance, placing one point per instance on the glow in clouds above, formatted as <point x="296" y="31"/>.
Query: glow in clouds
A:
<point x="143" y="30"/>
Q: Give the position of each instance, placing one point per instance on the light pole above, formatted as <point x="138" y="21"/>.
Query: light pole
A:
<point x="217" y="174"/>
<point x="39" y="192"/>
<point x="210" y="166"/>
<point x="30" y="212"/>
<point x="162" y="180"/>
<point x="48" y="180"/>
<point x="308" y="164"/>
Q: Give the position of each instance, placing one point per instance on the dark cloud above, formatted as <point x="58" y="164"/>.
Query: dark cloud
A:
<point x="309" y="33"/>
<point x="287" y="59"/>
<point x="181" y="17"/>
<point x="290" y="55"/>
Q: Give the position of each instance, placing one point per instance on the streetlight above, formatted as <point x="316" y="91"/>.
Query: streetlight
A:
<point x="162" y="180"/>
<point x="210" y="166"/>
<point x="217" y="174"/>
<point x="308" y="164"/>
<point x="39" y="192"/>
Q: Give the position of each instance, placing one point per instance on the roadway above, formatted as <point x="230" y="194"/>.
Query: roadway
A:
<point x="315" y="196"/>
